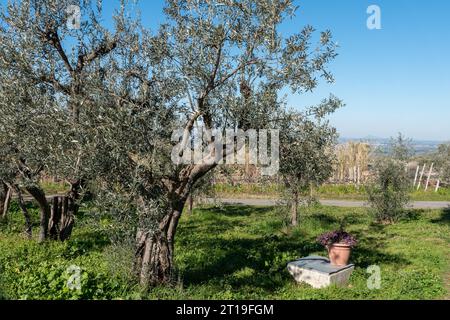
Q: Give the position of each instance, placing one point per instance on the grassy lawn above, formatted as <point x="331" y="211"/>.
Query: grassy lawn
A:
<point x="235" y="253"/>
<point x="337" y="192"/>
<point x="55" y="187"/>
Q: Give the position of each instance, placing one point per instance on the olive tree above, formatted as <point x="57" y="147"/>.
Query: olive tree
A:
<point x="307" y="153"/>
<point x="400" y="148"/>
<point x="48" y="55"/>
<point x="218" y="64"/>
<point x="25" y="141"/>
<point x="211" y="64"/>
<point x="230" y="63"/>
<point x="388" y="190"/>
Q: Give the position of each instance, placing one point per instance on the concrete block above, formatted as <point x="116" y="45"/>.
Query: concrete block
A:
<point x="319" y="273"/>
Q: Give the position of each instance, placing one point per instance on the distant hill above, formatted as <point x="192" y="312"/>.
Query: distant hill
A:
<point x="419" y="146"/>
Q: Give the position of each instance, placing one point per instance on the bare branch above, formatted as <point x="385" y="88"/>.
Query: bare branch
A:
<point x="105" y="48"/>
<point x="51" y="36"/>
<point x="234" y="72"/>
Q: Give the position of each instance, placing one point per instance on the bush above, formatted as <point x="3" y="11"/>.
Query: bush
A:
<point x="388" y="193"/>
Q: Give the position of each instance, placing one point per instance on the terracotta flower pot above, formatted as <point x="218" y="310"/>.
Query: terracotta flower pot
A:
<point x="339" y="254"/>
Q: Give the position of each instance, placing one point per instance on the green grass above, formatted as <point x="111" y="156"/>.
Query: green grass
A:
<point x="55" y="187"/>
<point x="263" y="190"/>
<point x="236" y="253"/>
<point x="29" y="270"/>
<point x="338" y="192"/>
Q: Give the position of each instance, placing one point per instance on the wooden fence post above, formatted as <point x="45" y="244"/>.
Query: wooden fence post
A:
<point x="417" y="175"/>
<point x="429" y="176"/>
<point x="437" y="186"/>
<point x="421" y="176"/>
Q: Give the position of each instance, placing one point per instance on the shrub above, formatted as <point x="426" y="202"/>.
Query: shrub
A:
<point x="388" y="193"/>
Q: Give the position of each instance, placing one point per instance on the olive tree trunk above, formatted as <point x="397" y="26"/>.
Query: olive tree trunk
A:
<point x="74" y="194"/>
<point x="155" y="249"/>
<point x="294" y="210"/>
<point x="5" y="198"/>
<point x="38" y="194"/>
<point x="62" y="218"/>
<point x="190" y="204"/>
<point x="154" y="262"/>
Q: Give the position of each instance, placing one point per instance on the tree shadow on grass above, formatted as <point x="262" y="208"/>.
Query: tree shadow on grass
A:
<point x="371" y="248"/>
<point x="85" y="242"/>
<point x="444" y="218"/>
<point x="364" y="257"/>
<point x="259" y="260"/>
<point x="327" y="220"/>
<point x="219" y="222"/>
<point x="413" y="215"/>
<point x="261" y="256"/>
<point x="324" y="219"/>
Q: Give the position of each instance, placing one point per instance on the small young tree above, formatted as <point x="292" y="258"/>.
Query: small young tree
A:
<point x="307" y="153"/>
<point x="400" y="148"/>
<point x="388" y="193"/>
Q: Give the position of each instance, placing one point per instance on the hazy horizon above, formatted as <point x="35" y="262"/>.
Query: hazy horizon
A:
<point x="374" y="137"/>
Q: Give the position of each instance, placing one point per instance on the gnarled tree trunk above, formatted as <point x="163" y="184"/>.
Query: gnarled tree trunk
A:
<point x="74" y="194"/>
<point x="39" y="195"/>
<point x="62" y="218"/>
<point x="155" y="249"/>
<point x="154" y="258"/>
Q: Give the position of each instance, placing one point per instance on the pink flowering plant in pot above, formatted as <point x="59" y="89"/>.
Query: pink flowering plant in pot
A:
<point x="339" y="244"/>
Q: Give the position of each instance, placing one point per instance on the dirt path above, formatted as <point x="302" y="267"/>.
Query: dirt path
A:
<point x="335" y="203"/>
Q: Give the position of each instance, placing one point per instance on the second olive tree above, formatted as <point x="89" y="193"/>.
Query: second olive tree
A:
<point x="388" y="190"/>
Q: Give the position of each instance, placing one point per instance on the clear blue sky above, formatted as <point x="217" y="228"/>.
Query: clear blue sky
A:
<point x="393" y="79"/>
<point x="396" y="79"/>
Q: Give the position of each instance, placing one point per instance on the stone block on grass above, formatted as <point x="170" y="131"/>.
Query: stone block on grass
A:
<point x="319" y="272"/>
